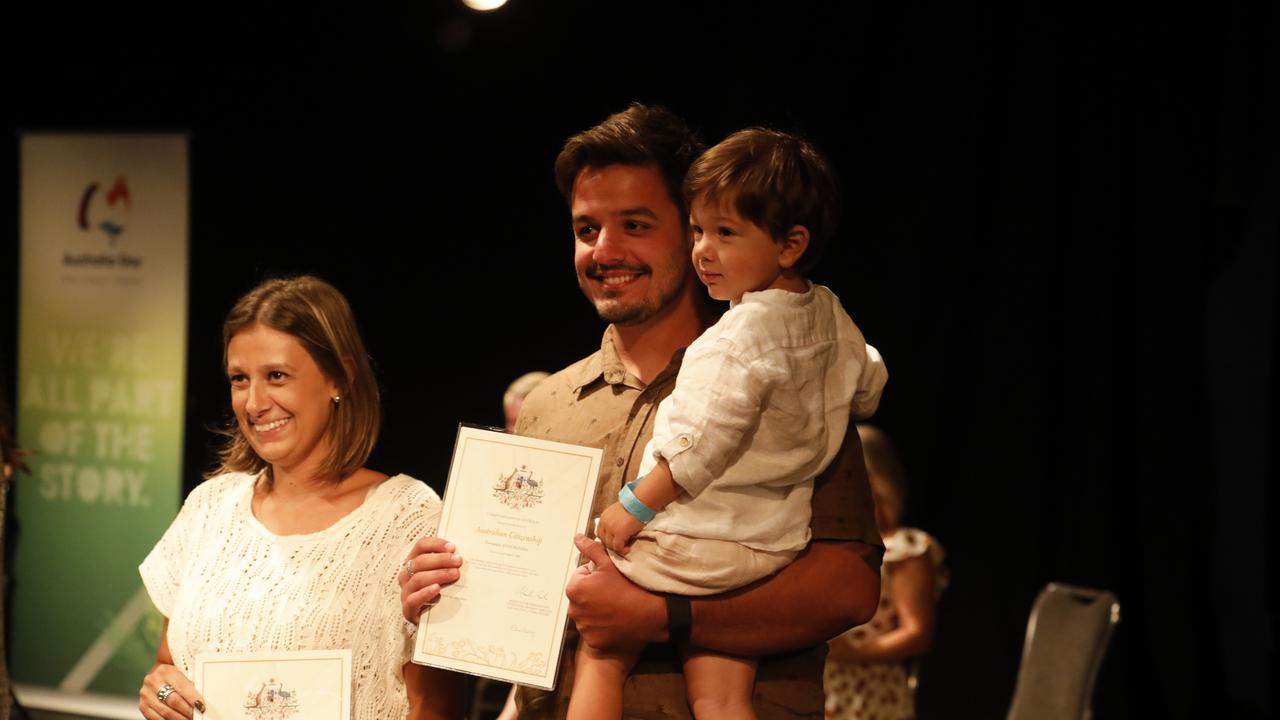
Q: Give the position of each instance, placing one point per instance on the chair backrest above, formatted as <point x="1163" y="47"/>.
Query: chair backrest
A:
<point x="1067" y="636"/>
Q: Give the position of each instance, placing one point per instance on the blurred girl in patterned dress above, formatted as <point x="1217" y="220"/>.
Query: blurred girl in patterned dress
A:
<point x="869" y="668"/>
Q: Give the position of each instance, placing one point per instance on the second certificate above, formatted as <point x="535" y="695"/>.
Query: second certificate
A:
<point x="512" y="507"/>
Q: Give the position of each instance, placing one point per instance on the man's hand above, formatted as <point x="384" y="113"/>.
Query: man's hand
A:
<point x="432" y="562"/>
<point x="610" y="611"/>
<point x="617" y="527"/>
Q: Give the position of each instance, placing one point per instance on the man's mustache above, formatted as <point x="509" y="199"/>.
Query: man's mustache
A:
<point x="597" y="271"/>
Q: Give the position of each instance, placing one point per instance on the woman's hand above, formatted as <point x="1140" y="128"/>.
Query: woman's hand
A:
<point x="432" y="563"/>
<point x="180" y="699"/>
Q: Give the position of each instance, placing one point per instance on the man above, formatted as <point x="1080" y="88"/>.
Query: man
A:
<point x="631" y="253"/>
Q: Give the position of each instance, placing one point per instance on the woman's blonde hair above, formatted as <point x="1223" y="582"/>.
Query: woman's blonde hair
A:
<point x="884" y="470"/>
<point x="318" y="316"/>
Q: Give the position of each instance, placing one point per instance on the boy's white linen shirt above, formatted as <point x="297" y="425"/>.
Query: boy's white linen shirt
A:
<point x="761" y="405"/>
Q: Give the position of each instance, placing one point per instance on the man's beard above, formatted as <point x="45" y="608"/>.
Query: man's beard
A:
<point x="640" y="310"/>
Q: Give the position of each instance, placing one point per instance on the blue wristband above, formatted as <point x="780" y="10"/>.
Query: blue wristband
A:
<point x="632" y="504"/>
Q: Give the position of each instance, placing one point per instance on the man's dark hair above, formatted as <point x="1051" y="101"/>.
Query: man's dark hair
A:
<point x="640" y="135"/>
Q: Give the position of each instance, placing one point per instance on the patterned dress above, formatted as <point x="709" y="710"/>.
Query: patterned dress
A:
<point x="880" y="690"/>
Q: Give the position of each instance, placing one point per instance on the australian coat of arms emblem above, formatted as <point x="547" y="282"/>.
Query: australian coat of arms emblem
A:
<point x="519" y="489"/>
<point x="271" y="702"/>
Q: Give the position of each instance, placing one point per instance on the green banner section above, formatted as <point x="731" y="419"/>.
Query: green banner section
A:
<point x="100" y="401"/>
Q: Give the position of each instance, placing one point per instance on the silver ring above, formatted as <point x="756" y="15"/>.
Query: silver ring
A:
<point x="164" y="692"/>
<point x="408" y="567"/>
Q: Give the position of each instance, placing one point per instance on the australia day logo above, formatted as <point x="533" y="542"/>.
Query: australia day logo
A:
<point x="103" y="213"/>
<point x="519" y="489"/>
<point x="105" y="210"/>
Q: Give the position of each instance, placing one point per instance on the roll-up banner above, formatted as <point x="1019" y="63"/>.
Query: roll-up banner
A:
<point x="100" y="391"/>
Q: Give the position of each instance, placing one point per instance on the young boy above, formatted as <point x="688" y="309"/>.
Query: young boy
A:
<point x="761" y="405"/>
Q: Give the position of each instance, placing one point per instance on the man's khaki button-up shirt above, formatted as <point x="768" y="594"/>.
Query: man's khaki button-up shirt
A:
<point x="597" y="403"/>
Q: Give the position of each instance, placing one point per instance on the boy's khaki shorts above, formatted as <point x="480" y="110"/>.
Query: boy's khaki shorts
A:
<point x="662" y="562"/>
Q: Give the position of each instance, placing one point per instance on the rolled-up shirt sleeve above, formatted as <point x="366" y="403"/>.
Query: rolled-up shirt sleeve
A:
<point x="715" y="405"/>
<point x="872" y="377"/>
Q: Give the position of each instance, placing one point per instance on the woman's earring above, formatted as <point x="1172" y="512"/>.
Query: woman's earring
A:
<point x="337" y="399"/>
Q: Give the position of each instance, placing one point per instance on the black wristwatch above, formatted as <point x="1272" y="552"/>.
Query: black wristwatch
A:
<point x="679" y="619"/>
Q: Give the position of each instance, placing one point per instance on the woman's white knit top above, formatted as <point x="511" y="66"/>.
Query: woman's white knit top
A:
<point x="227" y="584"/>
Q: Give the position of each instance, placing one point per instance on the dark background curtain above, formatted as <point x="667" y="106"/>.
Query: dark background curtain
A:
<point x="1060" y="228"/>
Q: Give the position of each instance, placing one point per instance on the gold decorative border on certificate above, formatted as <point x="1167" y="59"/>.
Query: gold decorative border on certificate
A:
<point x="496" y="656"/>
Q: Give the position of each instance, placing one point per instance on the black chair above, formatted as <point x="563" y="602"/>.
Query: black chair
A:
<point x="1067" y="637"/>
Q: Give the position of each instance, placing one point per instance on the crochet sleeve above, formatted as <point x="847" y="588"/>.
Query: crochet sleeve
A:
<point x="162" y="570"/>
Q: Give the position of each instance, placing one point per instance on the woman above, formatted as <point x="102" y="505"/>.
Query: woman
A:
<point x="292" y="544"/>
<point x="867" y="673"/>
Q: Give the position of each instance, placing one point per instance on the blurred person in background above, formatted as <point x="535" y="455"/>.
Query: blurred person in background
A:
<point x="10" y="462"/>
<point x="513" y="398"/>
<point x="870" y="669"/>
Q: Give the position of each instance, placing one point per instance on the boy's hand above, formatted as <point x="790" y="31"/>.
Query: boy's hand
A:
<point x="617" y="527"/>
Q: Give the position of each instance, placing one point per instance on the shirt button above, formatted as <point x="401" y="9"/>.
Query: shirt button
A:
<point x="684" y="442"/>
<point x="618" y="461"/>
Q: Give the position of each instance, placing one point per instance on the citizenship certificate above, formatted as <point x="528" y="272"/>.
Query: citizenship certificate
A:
<point x="285" y="685"/>
<point x="512" y="507"/>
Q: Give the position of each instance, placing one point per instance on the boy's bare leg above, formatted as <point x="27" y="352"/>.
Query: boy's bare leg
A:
<point x="597" y="683"/>
<point x="719" y="686"/>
